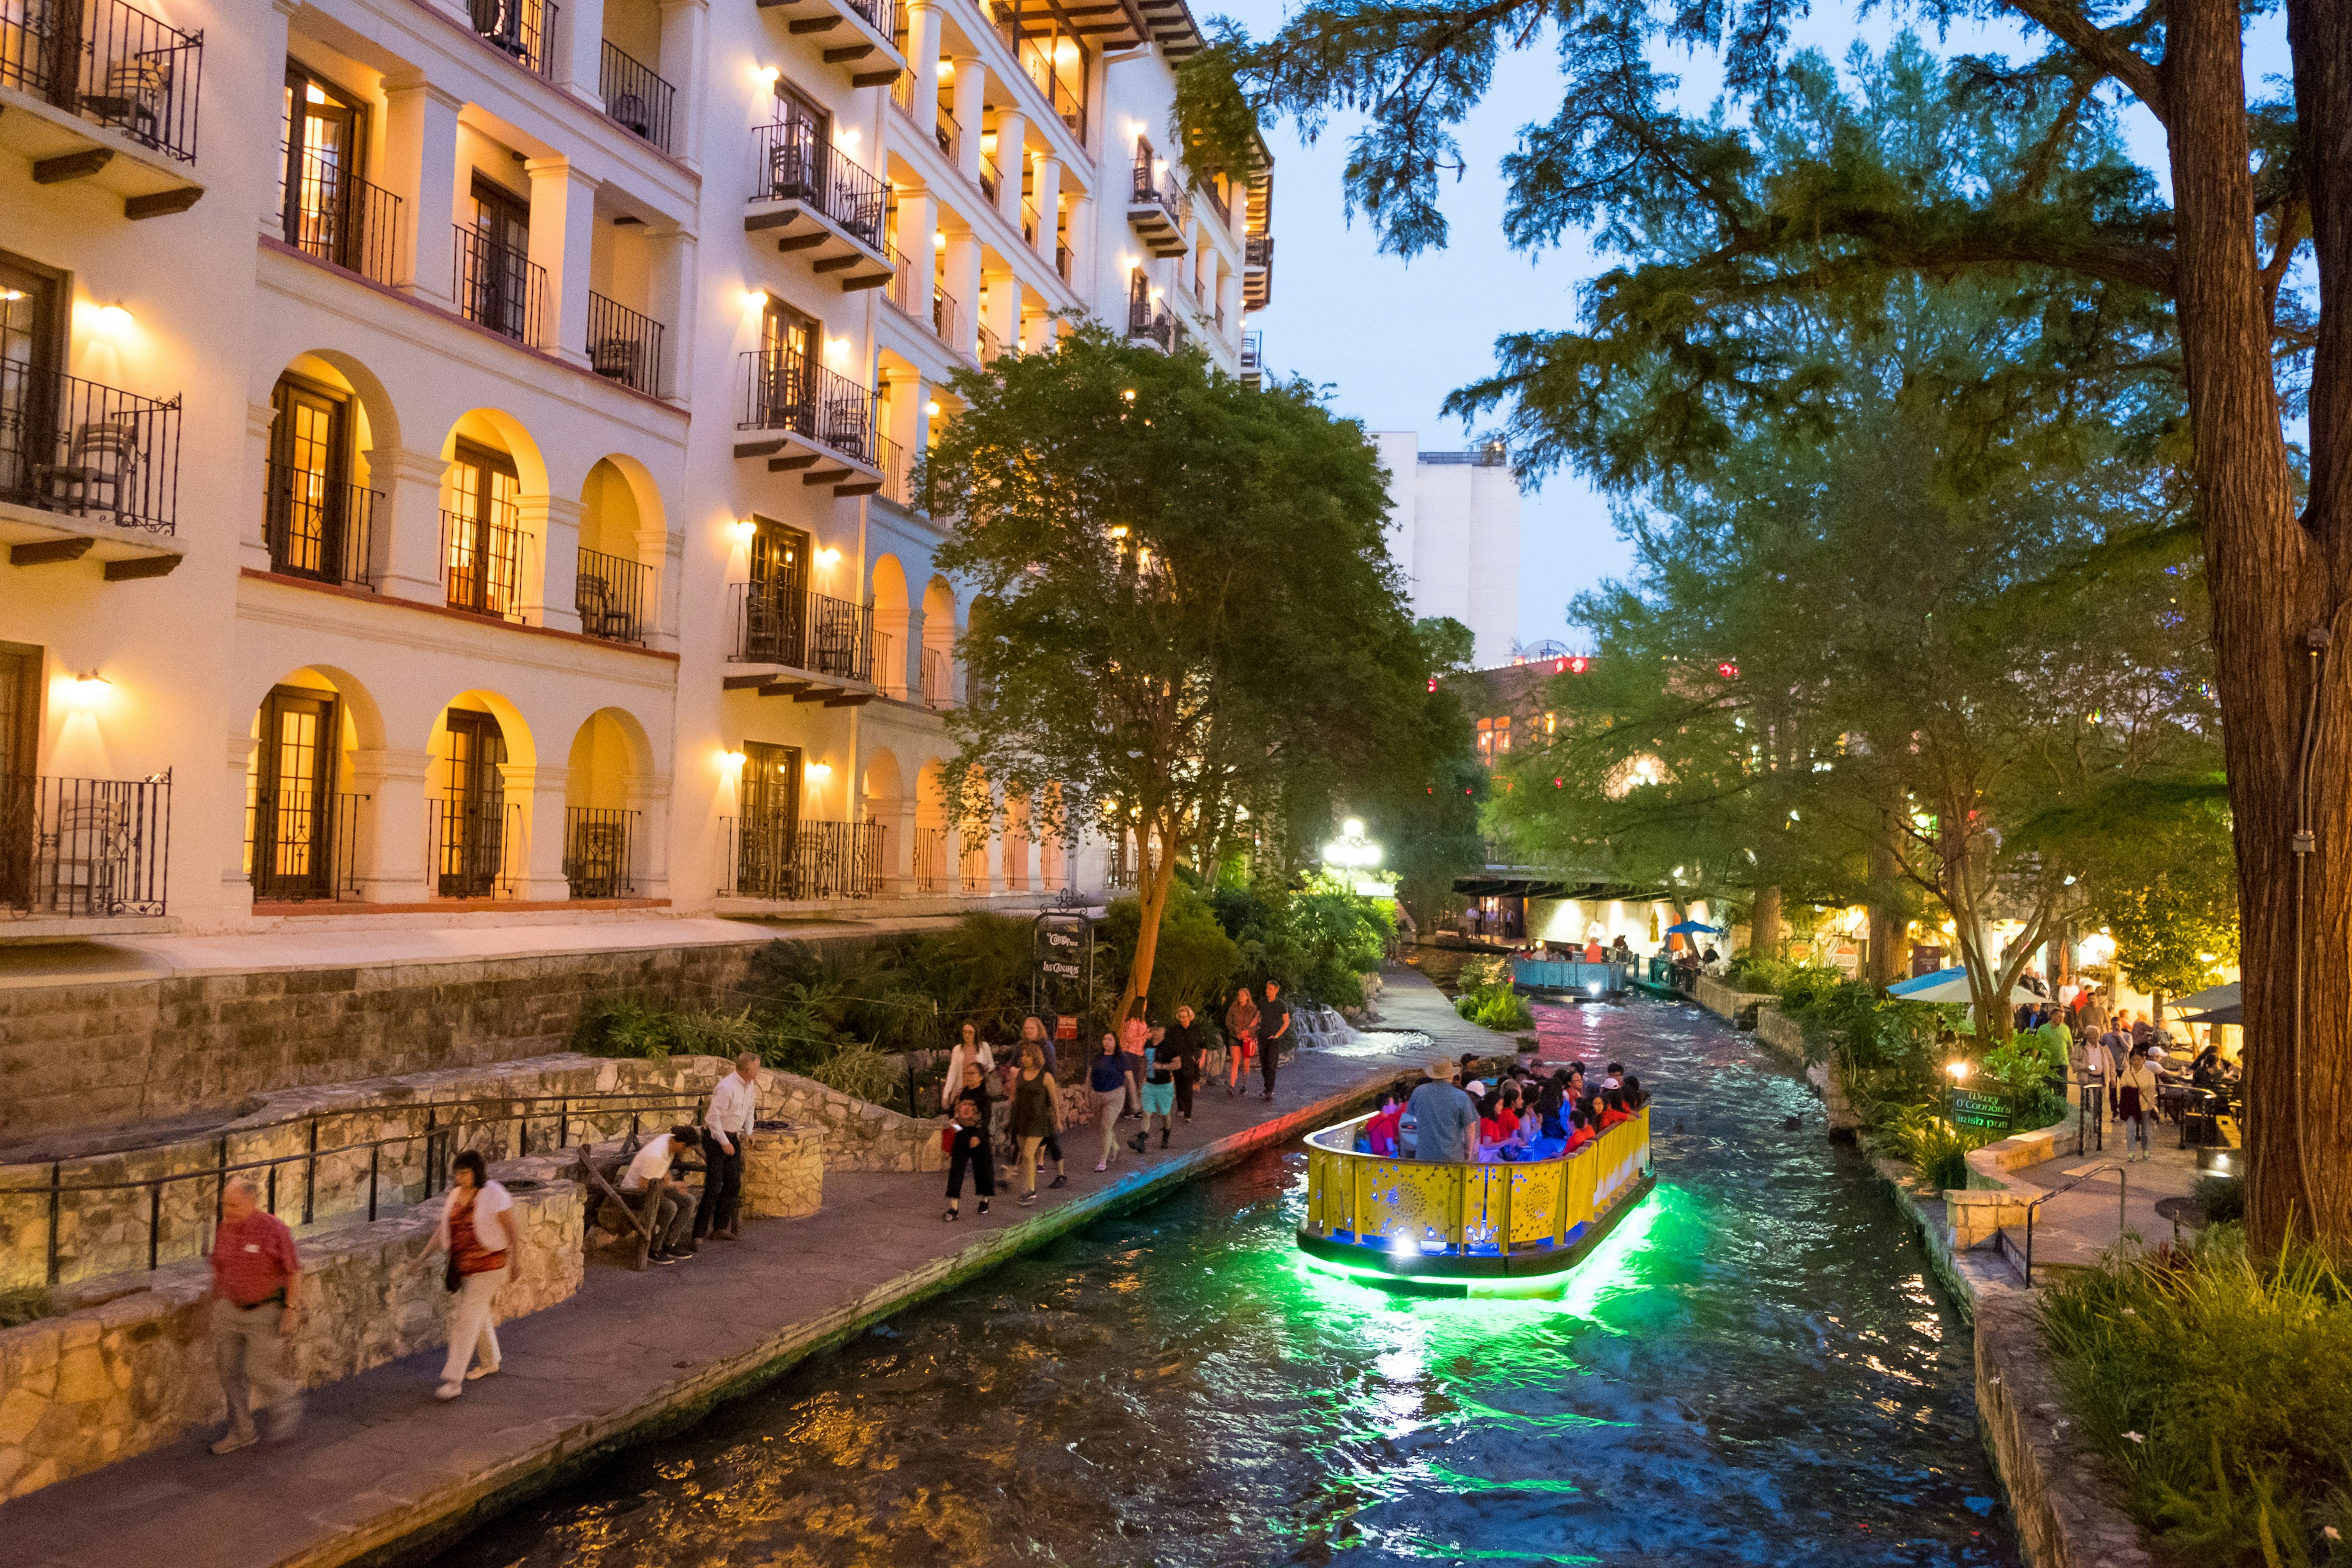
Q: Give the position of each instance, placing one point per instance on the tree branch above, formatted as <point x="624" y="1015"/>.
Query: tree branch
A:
<point x="2107" y="49"/>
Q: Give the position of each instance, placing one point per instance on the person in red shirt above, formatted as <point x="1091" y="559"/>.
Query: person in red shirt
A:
<point x="1593" y="953"/>
<point x="1613" y="1110"/>
<point x="1580" y="1132"/>
<point x="1381" y="1131"/>
<point x="253" y="1307"/>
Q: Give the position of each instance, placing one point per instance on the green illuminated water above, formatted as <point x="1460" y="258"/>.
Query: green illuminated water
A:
<point x="1753" y="1369"/>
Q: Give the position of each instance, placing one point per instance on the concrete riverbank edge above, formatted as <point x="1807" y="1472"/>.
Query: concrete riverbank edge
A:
<point x="430" y="1522"/>
<point x="2062" y="1493"/>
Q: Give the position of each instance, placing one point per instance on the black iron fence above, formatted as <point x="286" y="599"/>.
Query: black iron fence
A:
<point x="882" y="15"/>
<point x="794" y="160"/>
<point x="329" y="1175"/>
<point x="1119" y="864"/>
<point x="624" y="345"/>
<point x="612" y="593"/>
<point x="84" y="849"/>
<point x="485" y="563"/>
<point x="636" y="95"/>
<point x="524" y="29"/>
<point x="302" y="845"/>
<point x="930" y="860"/>
<point x="1257" y="251"/>
<point x="74" y="446"/>
<point x="599" y="852"/>
<point x="477" y="835"/>
<point x="331" y="214"/>
<point x="1146" y="319"/>
<point x="498" y="286"/>
<point x="795" y="860"/>
<point x="316" y="529"/>
<point x="107" y="62"/>
<point x="898" y="472"/>
<point x="1152" y="186"/>
<point x="939" y="679"/>
<point x="806" y="631"/>
<point x="784" y="390"/>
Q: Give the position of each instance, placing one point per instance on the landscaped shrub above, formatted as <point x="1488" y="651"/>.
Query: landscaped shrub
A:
<point x="2222" y="1199"/>
<point x="863" y="1073"/>
<point x="2221" y="1385"/>
<point x="1193" y="963"/>
<point x="1933" y="1145"/>
<point x="1497" y="1007"/>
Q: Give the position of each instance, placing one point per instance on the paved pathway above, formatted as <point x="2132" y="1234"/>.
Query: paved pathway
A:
<point x="379" y="1461"/>
<point x="2078" y="1224"/>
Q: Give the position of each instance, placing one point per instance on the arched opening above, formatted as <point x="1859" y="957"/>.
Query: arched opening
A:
<point x="1013" y="855"/>
<point x="329" y="416"/>
<point x="304" y="799"/>
<point x="936" y="668"/>
<point x="1053" y="848"/>
<point x="620" y="527"/>
<point x="891" y="620"/>
<point x="930" y="847"/>
<point x="494" y="468"/>
<point x="882" y="810"/>
<point x="479" y="825"/>
<point x="604" y="833"/>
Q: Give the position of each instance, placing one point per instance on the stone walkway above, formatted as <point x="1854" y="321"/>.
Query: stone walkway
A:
<point x="2077" y="1226"/>
<point x="378" y="1461"/>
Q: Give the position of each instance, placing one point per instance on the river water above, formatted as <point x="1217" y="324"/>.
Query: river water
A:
<point x="1755" y="1368"/>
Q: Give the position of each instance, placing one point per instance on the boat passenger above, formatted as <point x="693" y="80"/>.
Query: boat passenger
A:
<point x="1380" y="1135"/>
<point x="1635" y="1095"/>
<point x="1446" y="1121"/>
<point x="1593" y="953"/>
<point x="1613" y="1112"/>
<point x="1580" y="1131"/>
<point x="1493" y="1138"/>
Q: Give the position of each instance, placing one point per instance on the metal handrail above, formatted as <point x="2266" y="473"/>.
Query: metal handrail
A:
<point x="2122" y="1206"/>
<point x="435" y="1133"/>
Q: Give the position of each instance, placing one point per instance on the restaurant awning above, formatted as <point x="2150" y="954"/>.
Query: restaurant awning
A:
<point x="2211" y="997"/>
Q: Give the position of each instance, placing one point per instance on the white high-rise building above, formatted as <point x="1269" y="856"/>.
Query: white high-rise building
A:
<point x="473" y="478"/>
<point x="1453" y="525"/>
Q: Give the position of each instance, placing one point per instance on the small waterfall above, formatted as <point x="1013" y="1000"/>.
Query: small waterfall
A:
<point x="1319" y="1027"/>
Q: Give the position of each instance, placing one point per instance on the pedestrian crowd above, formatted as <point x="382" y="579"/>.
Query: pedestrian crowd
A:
<point x="2129" y="1061"/>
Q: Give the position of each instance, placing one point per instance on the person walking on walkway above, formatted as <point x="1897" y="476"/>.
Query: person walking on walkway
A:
<point x="734" y="1108"/>
<point x="1160" y="1088"/>
<point x="1135" y="1042"/>
<point x="257" y="1275"/>
<point x="1185" y="1035"/>
<point x="1444" y="1118"/>
<point x="2135" y="1102"/>
<point x="1033" y="1032"/>
<point x="670" y="1209"/>
<point x="1273" y="1034"/>
<point x="970" y="1148"/>
<point x="1036" y="1118"/>
<point x="1241" y="1035"/>
<point x="479" y="1234"/>
<point x="970" y="1049"/>
<point x="1106" y="1076"/>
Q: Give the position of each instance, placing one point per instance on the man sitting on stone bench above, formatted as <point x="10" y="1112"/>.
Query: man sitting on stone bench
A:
<point x="666" y="1205"/>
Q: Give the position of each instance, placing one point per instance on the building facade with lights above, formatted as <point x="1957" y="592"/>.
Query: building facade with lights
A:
<point x="472" y="477"/>
<point x="1453" y="526"/>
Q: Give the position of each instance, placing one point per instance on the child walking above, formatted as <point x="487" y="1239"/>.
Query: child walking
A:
<point x="968" y="1149"/>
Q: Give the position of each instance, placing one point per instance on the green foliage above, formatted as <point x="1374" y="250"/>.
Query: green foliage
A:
<point x="1935" y="1147"/>
<point x="1483" y="974"/>
<point x="861" y="1072"/>
<point x="1319" y="941"/>
<point x="979" y="970"/>
<point x="1497" y="1007"/>
<point x="2220" y="1386"/>
<point x="2223" y="1199"/>
<point x="1196" y="962"/>
<point x="26" y="1304"/>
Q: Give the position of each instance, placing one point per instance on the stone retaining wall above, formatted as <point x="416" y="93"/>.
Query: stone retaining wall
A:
<point x="120" y="1052"/>
<point x="783" y="1175"/>
<point x="129" y="1370"/>
<point x="1737" y="1007"/>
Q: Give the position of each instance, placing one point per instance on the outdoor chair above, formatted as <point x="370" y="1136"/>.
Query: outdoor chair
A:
<point x="88" y="857"/>
<point x="630" y="111"/>
<point x="134" y="95"/>
<point x="99" y="470"/>
<point x="616" y="359"/>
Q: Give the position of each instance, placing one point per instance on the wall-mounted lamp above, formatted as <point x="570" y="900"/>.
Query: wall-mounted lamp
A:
<point x="111" y="319"/>
<point x="732" y="761"/>
<point x="770" y="75"/>
<point x="88" y="689"/>
<point x="939" y="239"/>
<point x="932" y="408"/>
<point x="828" y="556"/>
<point x="754" y="302"/>
<point x="819" y="770"/>
<point x="744" y="530"/>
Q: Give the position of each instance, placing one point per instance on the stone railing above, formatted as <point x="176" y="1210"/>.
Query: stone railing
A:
<point x="1738" y="1007"/>
<point x="1994" y="1198"/>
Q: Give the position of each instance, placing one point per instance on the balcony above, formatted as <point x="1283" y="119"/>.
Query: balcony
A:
<point x="898" y="477"/>
<point x="1257" y="271"/>
<point x="599" y="852"/>
<point x="302" y="846"/>
<point x="810" y="633"/>
<point x="791" y="861"/>
<point x="635" y="96"/>
<point x="331" y="215"/>
<point x="86" y="455"/>
<point x="496" y="286"/>
<point x="82" y="850"/>
<point x="867" y="52"/>
<point x="316" y="529"/>
<point x="523" y="30"/>
<point x="1156" y="209"/>
<point x="476" y="835"/>
<point x="624" y="346"/>
<point x="484" y="557"/>
<point x="822" y="422"/>
<point x="102" y="65"/>
<point x="1147" y="319"/>
<point x="821" y="206"/>
<point x="1253" y="359"/>
<point x="938" y="681"/>
<point x="611" y="594"/>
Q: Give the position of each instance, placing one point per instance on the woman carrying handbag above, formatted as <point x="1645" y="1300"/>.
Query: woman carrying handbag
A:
<point x="481" y="1242"/>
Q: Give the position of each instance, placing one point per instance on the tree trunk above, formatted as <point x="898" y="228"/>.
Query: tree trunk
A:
<point x="1888" y="958"/>
<point x="1764" y="934"/>
<point x="2269" y="581"/>
<point x="1156" y="874"/>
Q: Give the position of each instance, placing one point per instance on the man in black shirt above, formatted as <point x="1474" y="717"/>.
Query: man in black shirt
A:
<point x="1187" y="1035"/>
<point x="1164" y="1055"/>
<point x="1273" y="1034"/>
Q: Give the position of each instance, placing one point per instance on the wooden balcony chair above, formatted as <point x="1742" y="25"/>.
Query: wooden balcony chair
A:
<point x="87" y="858"/>
<point x="134" y="95"/>
<point x="102" y="459"/>
<point x="616" y="359"/>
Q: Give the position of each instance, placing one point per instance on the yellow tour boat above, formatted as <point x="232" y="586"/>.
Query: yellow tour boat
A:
<point x="1482" y="1220"/>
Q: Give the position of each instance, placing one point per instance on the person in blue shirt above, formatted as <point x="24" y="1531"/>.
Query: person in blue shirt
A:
<point x="1446" y="1119"/>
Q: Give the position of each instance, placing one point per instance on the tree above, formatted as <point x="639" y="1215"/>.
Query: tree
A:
<point x="2255" y="187"/>
<point x="1192" y="618"/>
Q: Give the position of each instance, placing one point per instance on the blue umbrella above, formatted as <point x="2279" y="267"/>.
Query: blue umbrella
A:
<point x="1692" y="928"/>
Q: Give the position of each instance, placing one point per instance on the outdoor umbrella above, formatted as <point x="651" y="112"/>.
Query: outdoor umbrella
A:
<point x="1947" y="985"/>
<point x="1692" y="928"/>
<point x="2232" y="1014"/>
<point x="2212" y="997"/>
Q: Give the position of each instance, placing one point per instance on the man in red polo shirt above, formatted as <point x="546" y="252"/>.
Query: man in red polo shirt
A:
<point x="254" y="1310"/>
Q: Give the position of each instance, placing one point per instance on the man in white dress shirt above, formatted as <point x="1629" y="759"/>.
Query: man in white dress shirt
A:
<point x="664" y="1201"/>
<point x="734" y="1110"/>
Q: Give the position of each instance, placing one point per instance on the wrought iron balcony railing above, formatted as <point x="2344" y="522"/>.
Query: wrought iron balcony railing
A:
<point x="814" y="632"/>
<point x="796" y="859"/>
<point x="611" y="594"/>
<point x="337" y="218"/>
<point x="498" y="286"/>
<point x="316" y="529"/>
<point x="81" y="449"/>
<point x="600" y="852"/>
<point x="484" y="558"/>
<point x="524" y="29"/>
<point x="794" y="160"/>
<point x="624" y="346"/>
<point x="636" y="95"/>
<point x="301" y="845"/>
<point x="476" y="836"/>
<point x="788" y="390"/>
<point x="110" y="62"/>
<point x="83" y="848"/>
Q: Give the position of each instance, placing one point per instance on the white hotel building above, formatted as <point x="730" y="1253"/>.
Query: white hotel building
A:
<point x="469" y="477"/>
